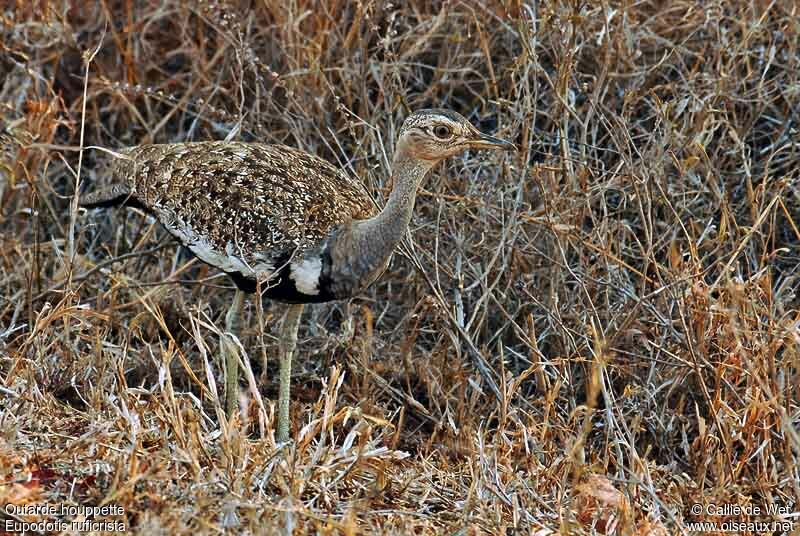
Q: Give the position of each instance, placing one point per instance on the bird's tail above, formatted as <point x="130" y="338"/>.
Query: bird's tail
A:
<point x="118" y="191"/>
<point x="116" y="194"/>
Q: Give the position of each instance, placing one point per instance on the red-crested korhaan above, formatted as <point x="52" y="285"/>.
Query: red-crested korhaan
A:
<point x="273" y="214"/>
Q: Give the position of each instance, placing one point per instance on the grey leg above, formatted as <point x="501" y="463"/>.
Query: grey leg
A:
<point x="288" y="341"/>
<point x="230" y="353"/>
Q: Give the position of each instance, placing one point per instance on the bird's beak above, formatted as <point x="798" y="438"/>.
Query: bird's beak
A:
<point x="484" y="141"/>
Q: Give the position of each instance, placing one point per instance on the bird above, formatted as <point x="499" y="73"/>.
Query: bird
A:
<point x="280" y="219"/>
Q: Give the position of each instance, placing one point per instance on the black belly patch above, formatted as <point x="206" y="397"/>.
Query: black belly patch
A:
<point x="283" y="288"/>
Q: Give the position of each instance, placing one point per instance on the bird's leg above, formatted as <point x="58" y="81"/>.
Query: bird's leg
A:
<point x="288" y="341"/>
<point x="230" y="351"/>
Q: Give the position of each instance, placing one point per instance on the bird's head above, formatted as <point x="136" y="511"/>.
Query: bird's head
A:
<point x="434" y="135"/>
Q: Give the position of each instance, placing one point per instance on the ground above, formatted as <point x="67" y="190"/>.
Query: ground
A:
<point x="629" y="276"/>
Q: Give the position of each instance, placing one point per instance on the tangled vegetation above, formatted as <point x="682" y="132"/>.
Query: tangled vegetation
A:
<point x="630" y="275"/>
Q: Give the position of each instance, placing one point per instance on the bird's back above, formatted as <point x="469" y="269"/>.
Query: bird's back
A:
<point x="242" y="207"/>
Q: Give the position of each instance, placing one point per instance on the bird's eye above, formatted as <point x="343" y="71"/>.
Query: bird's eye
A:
<point x="441" y="131"/>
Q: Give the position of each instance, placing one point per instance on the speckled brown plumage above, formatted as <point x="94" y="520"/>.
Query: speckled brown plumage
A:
<point x="261" y="198"/>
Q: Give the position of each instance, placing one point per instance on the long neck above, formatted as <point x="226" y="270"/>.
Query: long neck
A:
<point x="384" y="231"/>
<point x="369" y="243"/>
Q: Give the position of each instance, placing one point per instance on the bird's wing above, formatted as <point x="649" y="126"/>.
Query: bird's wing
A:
<point x="233" y="203"/>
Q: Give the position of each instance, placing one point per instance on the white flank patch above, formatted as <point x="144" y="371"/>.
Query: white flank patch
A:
<point x="226" y="260"/>
<point x="305" y="274"/>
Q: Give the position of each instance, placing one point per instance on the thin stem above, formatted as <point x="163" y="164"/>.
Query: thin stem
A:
<point x="73" y="213"/>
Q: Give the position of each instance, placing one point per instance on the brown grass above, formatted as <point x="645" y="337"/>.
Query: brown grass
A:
<point x="630" y="276"/>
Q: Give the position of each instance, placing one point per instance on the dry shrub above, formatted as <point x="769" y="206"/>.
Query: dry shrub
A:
<point x="630" y="276"/>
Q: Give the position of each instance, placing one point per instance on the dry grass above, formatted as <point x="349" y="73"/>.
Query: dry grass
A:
<point x="630" y="276"/>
